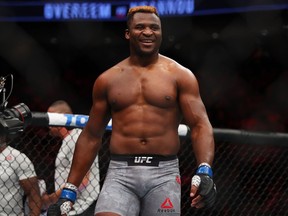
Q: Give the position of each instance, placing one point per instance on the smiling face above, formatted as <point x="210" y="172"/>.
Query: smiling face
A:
<point x="144" y="33"/>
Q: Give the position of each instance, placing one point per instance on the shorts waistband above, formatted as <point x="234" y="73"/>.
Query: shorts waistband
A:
<point x="143" y="160"/>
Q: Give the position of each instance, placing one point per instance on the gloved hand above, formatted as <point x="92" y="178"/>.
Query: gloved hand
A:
<point x="203" y="188"/>
<point x="64" y="204"/>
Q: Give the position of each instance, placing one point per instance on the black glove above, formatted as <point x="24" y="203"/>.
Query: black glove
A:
<point x="207" y="187"/>
<point x="63" y="206"/>
<point x="65" y="202"/>
<point x="207" y="190"/>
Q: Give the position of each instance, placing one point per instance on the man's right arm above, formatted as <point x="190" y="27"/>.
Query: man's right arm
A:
<point x="88" y="143"/>
<point x="90" y="139"/>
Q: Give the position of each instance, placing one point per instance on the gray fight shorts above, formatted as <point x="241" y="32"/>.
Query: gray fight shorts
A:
<point x="146" y="185"/>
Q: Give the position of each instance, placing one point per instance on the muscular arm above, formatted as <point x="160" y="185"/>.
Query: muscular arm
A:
<point x="196" y="118"/>
<point x="32" y="191"/>
<point x="49" y="199"/>
<point x="89" y="141"/>
<point x="203" y="191"/>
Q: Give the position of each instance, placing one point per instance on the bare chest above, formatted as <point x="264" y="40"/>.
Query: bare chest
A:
<point x="154" y="89"/>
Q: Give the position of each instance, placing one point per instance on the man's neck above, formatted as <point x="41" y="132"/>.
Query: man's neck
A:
<point x="144" y="60"/>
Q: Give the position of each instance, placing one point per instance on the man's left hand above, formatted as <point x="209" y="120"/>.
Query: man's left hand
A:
<point x="203" y="189"/>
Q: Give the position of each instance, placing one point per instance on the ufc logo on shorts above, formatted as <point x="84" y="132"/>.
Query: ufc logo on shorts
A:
<point x="143" y="160"/>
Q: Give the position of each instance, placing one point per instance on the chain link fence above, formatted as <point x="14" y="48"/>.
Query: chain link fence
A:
<point x="251" y="175"/>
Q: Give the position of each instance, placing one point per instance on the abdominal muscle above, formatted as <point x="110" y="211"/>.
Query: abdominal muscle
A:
<point x="151" y="132"/>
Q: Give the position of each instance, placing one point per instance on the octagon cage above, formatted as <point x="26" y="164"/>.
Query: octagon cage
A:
<point x="250" y="168"/>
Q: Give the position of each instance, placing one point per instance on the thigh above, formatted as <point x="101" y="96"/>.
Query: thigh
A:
<point x="163" y="200"/>
<point x="89" y="211"/>
<point x="117" y="198"/>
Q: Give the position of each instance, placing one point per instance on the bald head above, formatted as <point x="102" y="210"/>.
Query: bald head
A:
<point x="60" y="106"/>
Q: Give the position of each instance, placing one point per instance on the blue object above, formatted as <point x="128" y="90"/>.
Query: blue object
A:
<point x="68" y="194"/>
<point x="205" y="170"/>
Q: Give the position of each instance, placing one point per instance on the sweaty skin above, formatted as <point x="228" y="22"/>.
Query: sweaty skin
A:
<point x="147" y="95"/>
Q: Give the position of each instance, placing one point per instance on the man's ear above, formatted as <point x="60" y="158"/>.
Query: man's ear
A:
<point x="127" y="36"/>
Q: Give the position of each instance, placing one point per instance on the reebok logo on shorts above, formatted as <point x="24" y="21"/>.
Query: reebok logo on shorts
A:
<point x="166" y="207"/>
<point x="167" y="204"/>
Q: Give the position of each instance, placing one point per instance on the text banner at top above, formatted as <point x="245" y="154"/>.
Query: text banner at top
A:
<point x="96" y="10"/>
<point x="112" y="10"/>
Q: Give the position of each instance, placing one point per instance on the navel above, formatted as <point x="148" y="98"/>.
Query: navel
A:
<point x="143" y="141"/>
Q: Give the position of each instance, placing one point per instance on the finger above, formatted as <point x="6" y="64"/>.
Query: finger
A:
<point x="195" y="182"/>
<point x="193" y="191"/>
<point x="199" y="205"/>
<point x="196" y="201"/>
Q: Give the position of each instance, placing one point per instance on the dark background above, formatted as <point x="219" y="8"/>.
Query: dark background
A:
<point x="240" y="60"/>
